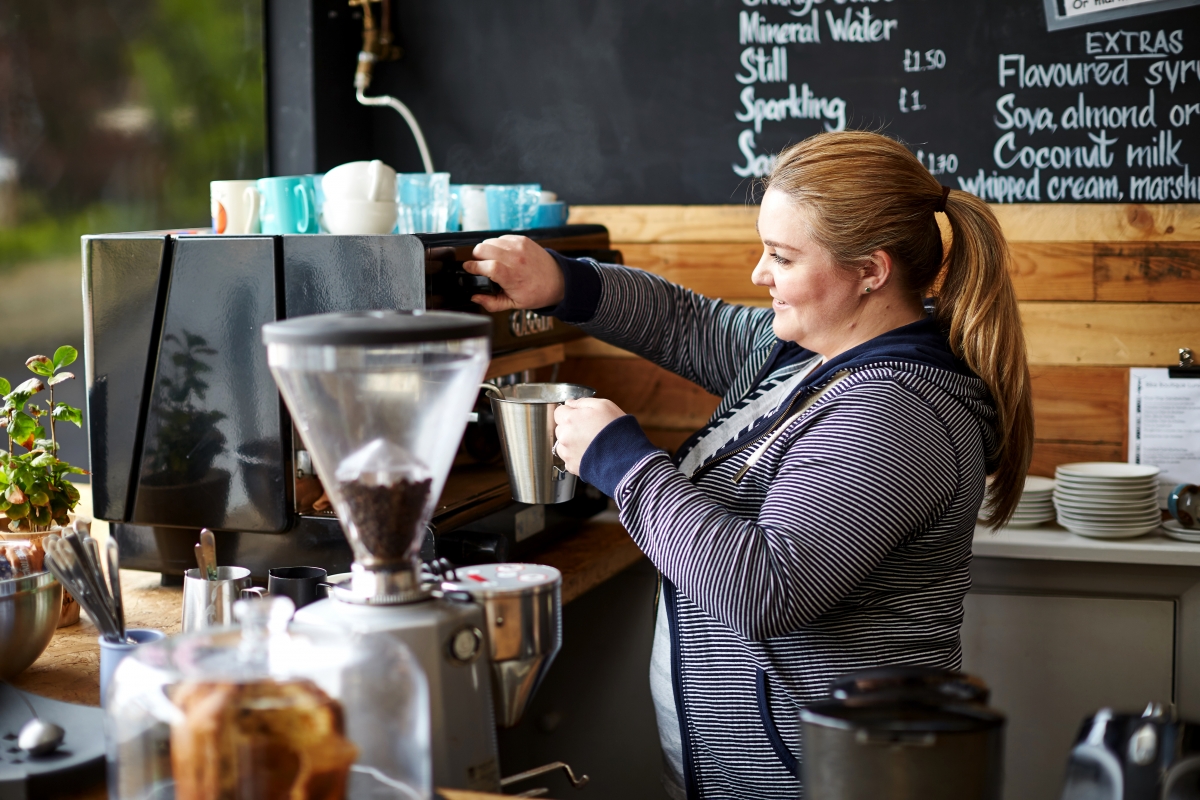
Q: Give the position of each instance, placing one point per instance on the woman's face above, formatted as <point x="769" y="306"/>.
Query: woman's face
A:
<point x="817" y="303"/>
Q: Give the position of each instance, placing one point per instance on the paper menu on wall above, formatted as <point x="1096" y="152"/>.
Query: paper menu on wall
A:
<point x="1164" y="426"/>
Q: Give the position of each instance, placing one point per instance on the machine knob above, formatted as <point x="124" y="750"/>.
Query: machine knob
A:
<point x="466" y="644"/>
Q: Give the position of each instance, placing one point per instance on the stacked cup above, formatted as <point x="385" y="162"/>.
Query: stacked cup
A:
<point x="235" y="207"/>
<point x="424" y="202"/>
<point x="360" y="198"/>
<point x="289" y="204"/>
<point x="512" y="207"/>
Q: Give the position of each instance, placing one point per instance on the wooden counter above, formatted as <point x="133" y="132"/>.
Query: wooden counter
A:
<point x="69" y="669"/>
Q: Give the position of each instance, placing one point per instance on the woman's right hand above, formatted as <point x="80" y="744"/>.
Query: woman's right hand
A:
<point x="528" y="276"/>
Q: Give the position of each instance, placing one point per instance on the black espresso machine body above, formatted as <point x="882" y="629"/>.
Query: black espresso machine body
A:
<point x="188" y="431"/>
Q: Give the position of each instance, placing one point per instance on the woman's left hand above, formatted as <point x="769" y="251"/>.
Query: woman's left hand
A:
<point x="577" y="423"/>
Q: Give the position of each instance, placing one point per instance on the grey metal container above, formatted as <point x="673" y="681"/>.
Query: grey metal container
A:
<point x="913" y="740"/>
<point x="209" y="604"/>
<point x="29" y="611"/>
<point x="525" y="421"/>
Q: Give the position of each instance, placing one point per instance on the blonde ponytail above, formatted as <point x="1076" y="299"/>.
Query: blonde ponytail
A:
<point x="977" y="305"/>
<point x="865" y="192"/>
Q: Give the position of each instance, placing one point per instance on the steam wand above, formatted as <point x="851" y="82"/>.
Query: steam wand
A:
<point x="377" y="46"/>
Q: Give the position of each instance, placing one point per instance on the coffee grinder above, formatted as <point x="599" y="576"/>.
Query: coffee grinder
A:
<point x="381" y="400"/>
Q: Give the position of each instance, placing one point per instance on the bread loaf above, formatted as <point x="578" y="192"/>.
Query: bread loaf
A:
<point x="264" y="740"/>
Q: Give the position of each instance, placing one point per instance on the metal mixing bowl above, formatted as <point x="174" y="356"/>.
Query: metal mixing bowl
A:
<point x="29" y="609"/>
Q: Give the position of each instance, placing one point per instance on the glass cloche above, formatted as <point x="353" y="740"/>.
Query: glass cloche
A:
<point x="269" y="710"/>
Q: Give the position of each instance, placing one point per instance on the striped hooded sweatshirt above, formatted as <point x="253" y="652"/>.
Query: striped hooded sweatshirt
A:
<point x="845" y="545"/>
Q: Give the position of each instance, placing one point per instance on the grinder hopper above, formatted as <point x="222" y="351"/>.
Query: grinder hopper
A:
<point x="381" y="400"/>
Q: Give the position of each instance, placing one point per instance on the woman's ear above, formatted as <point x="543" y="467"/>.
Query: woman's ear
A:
<point x="877" y="270"/>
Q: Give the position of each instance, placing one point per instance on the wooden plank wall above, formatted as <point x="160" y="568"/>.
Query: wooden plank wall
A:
<point x="1102" y="288"/>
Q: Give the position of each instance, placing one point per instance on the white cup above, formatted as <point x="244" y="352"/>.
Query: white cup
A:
<point x="474" y="207"/>
<point x="547" y="197"/>
<point x="364" y="181"/>
<point x="235" y="206"/>
<point x="359" y="216"/>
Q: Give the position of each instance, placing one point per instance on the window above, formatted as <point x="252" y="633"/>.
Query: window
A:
<point x="114" y="116"/>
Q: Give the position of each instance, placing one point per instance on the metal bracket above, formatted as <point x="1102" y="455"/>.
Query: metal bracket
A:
<point x="1188" y="368"/>
<point x="576" y="783"/>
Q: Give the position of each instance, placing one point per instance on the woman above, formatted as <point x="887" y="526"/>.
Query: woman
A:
<point x="821" y="523"/>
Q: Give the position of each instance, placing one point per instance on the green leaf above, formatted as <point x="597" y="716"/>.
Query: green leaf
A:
<point x="44" y="460"/>
<point x="29" y="388"/>
<point x="70" y="491"/>
<point x="65" y="356"/>
<point x="66" y="413"/>
<point x="40" y="365"/>
<point x="23" y="429"/>
<point x="5" y="386"/>
<point x="73" y="470"/>
<point x="18" y="510"/>
<point x="60" y="377"/>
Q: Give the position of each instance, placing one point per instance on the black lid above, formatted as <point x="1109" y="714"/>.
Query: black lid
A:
<point x="377" y="327"/>
<point x="905" y="699"/>
<point x="951" y="685"/>
<point x="900" y="715"/>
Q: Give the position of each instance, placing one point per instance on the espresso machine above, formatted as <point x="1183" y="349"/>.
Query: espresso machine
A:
<point x="187" y="429"/>
<point x="1153" y="755"/>
<point x="381" y="400"/>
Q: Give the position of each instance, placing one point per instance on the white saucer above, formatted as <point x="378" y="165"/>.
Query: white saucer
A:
<point x="1106" y="495"/>
<point x="1177" y="531"/>
<point x="1105" y="470"/>
<point x="1095" y="509"/>
<point x="1118" y="520"/>
<point x="1098" y="490"/>
<point x="1029" y="523"/>
<point x="1036" y="484"/>
<point x="1100" y="533"/>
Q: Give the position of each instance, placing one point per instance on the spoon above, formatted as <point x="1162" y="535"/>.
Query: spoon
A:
<point x="208" y="543"/>
<point x="36" y="737"/>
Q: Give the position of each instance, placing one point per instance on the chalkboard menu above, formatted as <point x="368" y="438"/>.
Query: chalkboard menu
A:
<point x="687" y="101"/>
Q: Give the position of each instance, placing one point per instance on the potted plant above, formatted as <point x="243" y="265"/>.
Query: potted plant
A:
<point x="35" y="494"/>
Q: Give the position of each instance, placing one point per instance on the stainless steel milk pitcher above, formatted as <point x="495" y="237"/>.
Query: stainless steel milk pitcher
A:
<point x="525" y="421"/>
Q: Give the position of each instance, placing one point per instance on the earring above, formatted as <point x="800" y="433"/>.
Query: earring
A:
<point x="867" y="290"/>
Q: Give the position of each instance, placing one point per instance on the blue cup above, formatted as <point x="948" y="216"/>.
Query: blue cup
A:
<point x="289" y="204"/>
<point x="113" y="653"/>
<point x="424" y="200"/>
<point x="512" y="207"/>
<point x="455" y="210"/>
<point x="550" y="215"/>
<point x="318" y="197"/>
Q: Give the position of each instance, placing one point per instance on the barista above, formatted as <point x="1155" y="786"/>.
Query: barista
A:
<point x="821" y="523"/>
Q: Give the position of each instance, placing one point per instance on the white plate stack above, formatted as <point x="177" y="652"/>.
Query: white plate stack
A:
<point x="1036" y="505"/>
<point x="1107" y="500"/>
